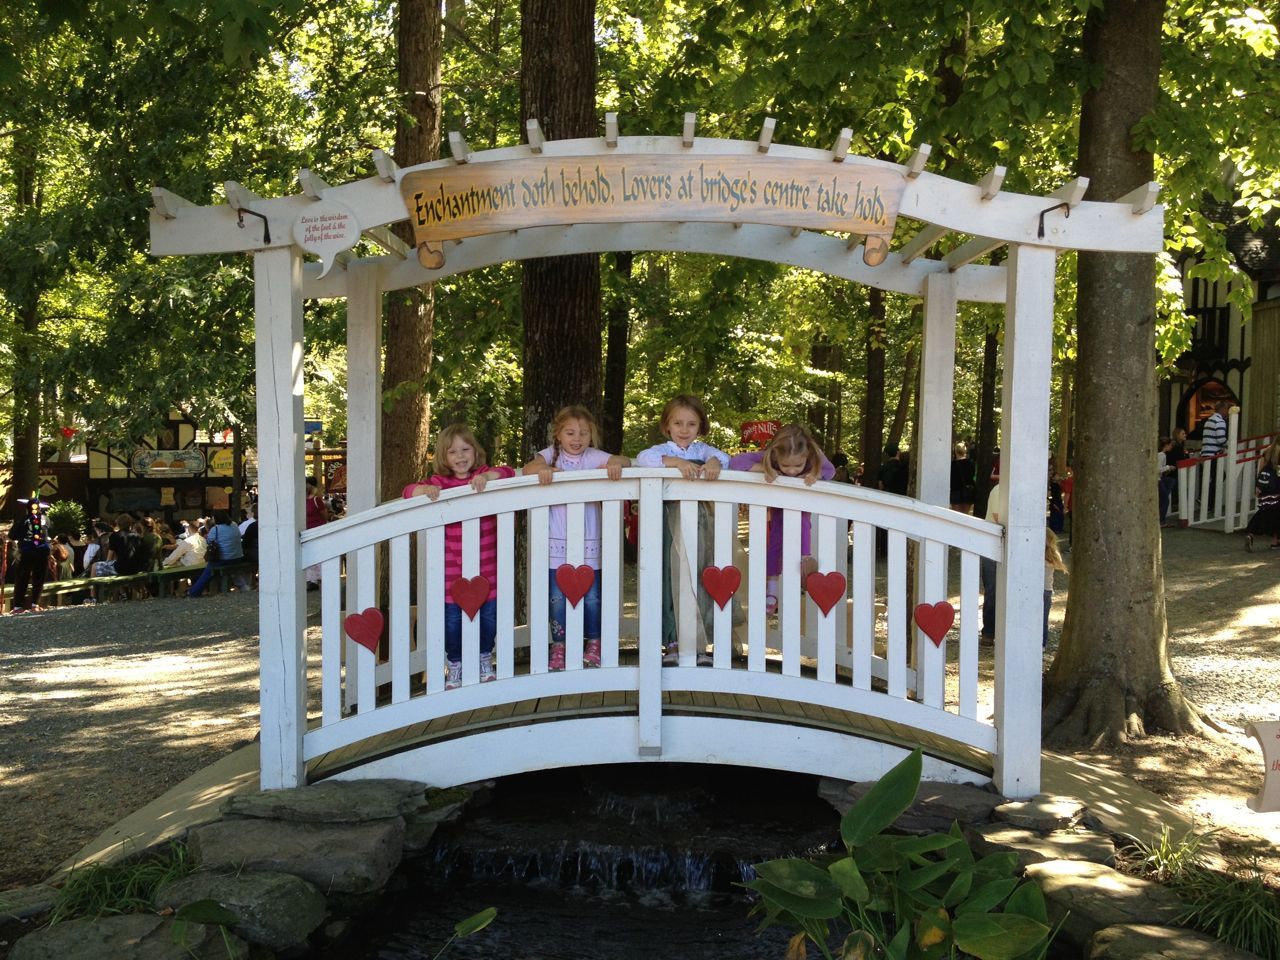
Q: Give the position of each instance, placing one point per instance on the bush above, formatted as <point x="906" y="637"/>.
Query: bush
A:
<point x="67" y="519"/>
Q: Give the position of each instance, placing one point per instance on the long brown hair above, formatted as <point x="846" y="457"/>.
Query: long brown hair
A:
<point x="565" y="414"/>
<point x="792" y="440"/>
<point x="456" y="431"/>
<point x="689" y="402"/>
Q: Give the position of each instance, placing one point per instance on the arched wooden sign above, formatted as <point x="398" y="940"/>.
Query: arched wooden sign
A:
<point x="472" y="199"/>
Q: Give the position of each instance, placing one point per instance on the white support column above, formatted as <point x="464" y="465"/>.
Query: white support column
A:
<point x="281" y="596"/>
<point x="932" y="459"/>
<point x="1024" y="452"/>
<point x="364" y="395"/>
<point x="1229" y="480"/>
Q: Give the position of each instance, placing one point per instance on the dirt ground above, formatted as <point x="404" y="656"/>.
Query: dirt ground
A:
<point x="104" y="708"/>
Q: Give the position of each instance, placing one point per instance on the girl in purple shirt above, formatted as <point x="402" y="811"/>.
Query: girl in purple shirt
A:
<point x="791" y="453"/>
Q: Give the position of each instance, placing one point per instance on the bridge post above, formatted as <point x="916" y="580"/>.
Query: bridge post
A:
<point x="649" y="741"/>
<point x="281" y="600"/>
<point x="1024" y="452"/>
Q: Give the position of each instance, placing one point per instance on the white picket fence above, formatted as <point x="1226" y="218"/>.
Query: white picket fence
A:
<point x="856" y="658"/>
<point x="1234" y="497"/>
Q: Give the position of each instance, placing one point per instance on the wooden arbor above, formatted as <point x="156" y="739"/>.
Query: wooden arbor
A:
<point x="684" y="193"/>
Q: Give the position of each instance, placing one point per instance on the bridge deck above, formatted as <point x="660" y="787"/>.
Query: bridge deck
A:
<point x="614" y="703"/>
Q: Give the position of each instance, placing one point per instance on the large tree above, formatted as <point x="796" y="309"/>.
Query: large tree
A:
<point x="1111" y="679"/>
<point x="561" y="295"/>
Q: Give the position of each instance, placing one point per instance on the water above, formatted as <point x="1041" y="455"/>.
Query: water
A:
<point x="618" y="862"/>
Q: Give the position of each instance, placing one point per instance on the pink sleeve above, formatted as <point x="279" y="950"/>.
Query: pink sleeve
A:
<point x="826" y="471"/>
<point x="408" y="491"/>
<point x="503" y="472"/>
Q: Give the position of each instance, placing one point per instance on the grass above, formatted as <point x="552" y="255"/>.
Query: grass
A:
<point x="130" y="887"/>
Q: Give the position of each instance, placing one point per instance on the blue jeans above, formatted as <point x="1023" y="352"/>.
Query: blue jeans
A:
<point x="590" y="614"/>
<point x="206" y="575"/>
<point x="488" y="616"/>
<point x="987" y="574"/>
<point x="1166" y="491"/>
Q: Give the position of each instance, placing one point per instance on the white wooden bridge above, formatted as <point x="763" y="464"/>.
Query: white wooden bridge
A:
<point x="840" y="691"/>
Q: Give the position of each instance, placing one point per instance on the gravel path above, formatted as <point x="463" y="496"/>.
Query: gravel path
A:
<point x="104" y="708"/>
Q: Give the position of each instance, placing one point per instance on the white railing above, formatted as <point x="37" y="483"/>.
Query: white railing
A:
<point x="855" y="658"/>
<point x="1231" y="479"/>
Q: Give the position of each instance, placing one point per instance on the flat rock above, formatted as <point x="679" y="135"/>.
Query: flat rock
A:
<point x="135" y="936"/>
<point x="1091" y="897"/>
<point x="332" y="801"/>
<point x="277" y="910"/>
<point x="1032" y="847"/>
<point x="1043" y="813"/>
<point x="22" y="903"/>
<point x="336" y="858"/>
<point x="936" y="805"/>
<point x="1136" y="941"/>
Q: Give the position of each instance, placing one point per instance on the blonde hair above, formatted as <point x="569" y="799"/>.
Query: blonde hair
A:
<point x="959" y="451"/>
<point x="1052" y="555"/>
<point x="572" y="412"/>
<point x="792" y="440"/>
<point x="689" y="402"/>
<point x="455" y="431"/>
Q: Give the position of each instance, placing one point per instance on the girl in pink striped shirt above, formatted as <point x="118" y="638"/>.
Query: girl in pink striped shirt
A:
<point x="460" y="461"/>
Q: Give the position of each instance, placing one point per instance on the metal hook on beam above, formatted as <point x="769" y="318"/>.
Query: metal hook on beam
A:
<point x="1064" y="205"/>
<point x="266" y="227"/>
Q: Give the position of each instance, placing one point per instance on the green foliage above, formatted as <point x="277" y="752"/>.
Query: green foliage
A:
<point x="101" y="890"/>
<point x="905" y="897"/>
<point x="468" y="927"/>
<point x="1167" y="859"/>
<point x="67" y="519"/>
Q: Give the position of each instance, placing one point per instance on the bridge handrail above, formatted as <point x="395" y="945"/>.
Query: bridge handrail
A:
<point x="844" y="501"/>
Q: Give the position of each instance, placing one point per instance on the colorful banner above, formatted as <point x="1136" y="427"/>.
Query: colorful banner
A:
<point x="468" y="200"/>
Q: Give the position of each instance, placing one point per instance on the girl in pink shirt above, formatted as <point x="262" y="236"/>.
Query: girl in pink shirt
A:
<point x="459" y="462"/>
<point x="573" y="433"/>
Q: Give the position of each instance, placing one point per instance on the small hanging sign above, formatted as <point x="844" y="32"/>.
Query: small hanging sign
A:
<point x="326" y="229"/>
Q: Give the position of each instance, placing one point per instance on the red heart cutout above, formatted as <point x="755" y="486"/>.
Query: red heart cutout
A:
<point x="827" y="589"/>
<point x="935" y="619"/>
<point x="471" y="594"/>
<point x="574" y="582"/>
<point x="721" y="583"/>
<point x="366" y="628"/>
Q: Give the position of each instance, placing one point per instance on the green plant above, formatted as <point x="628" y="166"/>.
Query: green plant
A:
<point x="1239" y="909"/>
<point x="104" y="889"/>
<point x="904" y="897"/>
<point x="465" y="928"/>
<point x="67" y="519"/>
<point x="1165" y="859"/>
<point x="208" y="912"/>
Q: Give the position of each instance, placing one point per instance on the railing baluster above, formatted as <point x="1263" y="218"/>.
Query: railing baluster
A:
<point x="649" y="707"/>
<point x="538" y="588"/>
<point x="575" y="526"/>
<point x="366" y="597"/>
<point x="726" y="518"/>
<point x="970" y="617"/>
<point x="863" y="581"/>
<point x="757" y="531"/>
<point x="431" y="620"/>
<point x="896" y="595"/>
<point x="828" y="559"/>
<point x="789" y="598"/>
<point x="470" y="625"/>
<point x="931" y="658"/>
<point x="611" y="581"/>
<point x="331" y="637"/>
<point x="399" y="596"/>
<point x="687" y="612"/>
<point x="506" y="619"/>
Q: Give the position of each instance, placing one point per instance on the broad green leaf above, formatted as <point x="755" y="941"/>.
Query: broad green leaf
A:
<point x="932" y="928"/>
<point x="959" y="889"/>
<point x="800" y="878"/>
<point x="898" y="947"/>
<point x="824" y="908"/>
<point x="997" y="865"/>
<point x="987" y="896"/>
<point x="883" y="803"/>
<point x="909" y="879"/>
<point x="859" y="945"/>
<point x="849" y="879"/>
<point x="914" y="846"/>
<point x="998" y="936"/>
<point x="475" y="923"/>
<point x="206" y="911"/>
<point x="1028" y="900"/>
<point x="878" y="855"/>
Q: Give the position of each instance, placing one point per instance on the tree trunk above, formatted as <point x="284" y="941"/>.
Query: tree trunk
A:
<point x="984" y="459"/>
<point x="615" y="362"/>
<point x="901" y="414"/>
<point x="873" y="398"/>
<point x="1111" y="679"/>
<point x="561" y="295"/>
<point x="410" y="314"/>
<point x="1063" y="456"/>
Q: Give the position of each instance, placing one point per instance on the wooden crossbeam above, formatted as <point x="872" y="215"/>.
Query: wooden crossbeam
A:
<point x="386" y="167"/>
<point x="766" y="134"/>
<point x="533" y="130"/>
<point x="840" y="149"/>
<point x="610" y="129"/>
<point x="388" y="241"/>
<point x="970" y="251"/>
<point x="915" y="166"/>
<point x="1143" y="198"/>
<point x="312" y="185"/>
<point x="991" y="183"/>
<point x="921" y="242"/>
<point x="238" y="196"/>
<point x="690" y="125"/>
<point x="167" y="203"/>
<point x="1072" y="192"/>
<point x="458" y="147"/>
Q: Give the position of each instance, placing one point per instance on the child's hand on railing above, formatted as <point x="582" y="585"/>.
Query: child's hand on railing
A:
<point x="544" y="472"/>
<point x="687" y="468"/>
<point x="428" y="490"/>
<point x="711" y="469"/>
<point x="481" y="480"/>
<point x="808" y="565"/>
<point x="613" y="469"/>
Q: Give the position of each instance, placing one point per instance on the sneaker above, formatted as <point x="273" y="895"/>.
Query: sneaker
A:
<point x="704" y="660"/>
<point x="486" y="668"/>
<point x="591" y="654"/>
<point x="555" y="662"/>
<point x="454" y="680"/>
<point x="1248" y="542"/>
<point x="671" y="656"/>
<point x="770" y="605"/>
